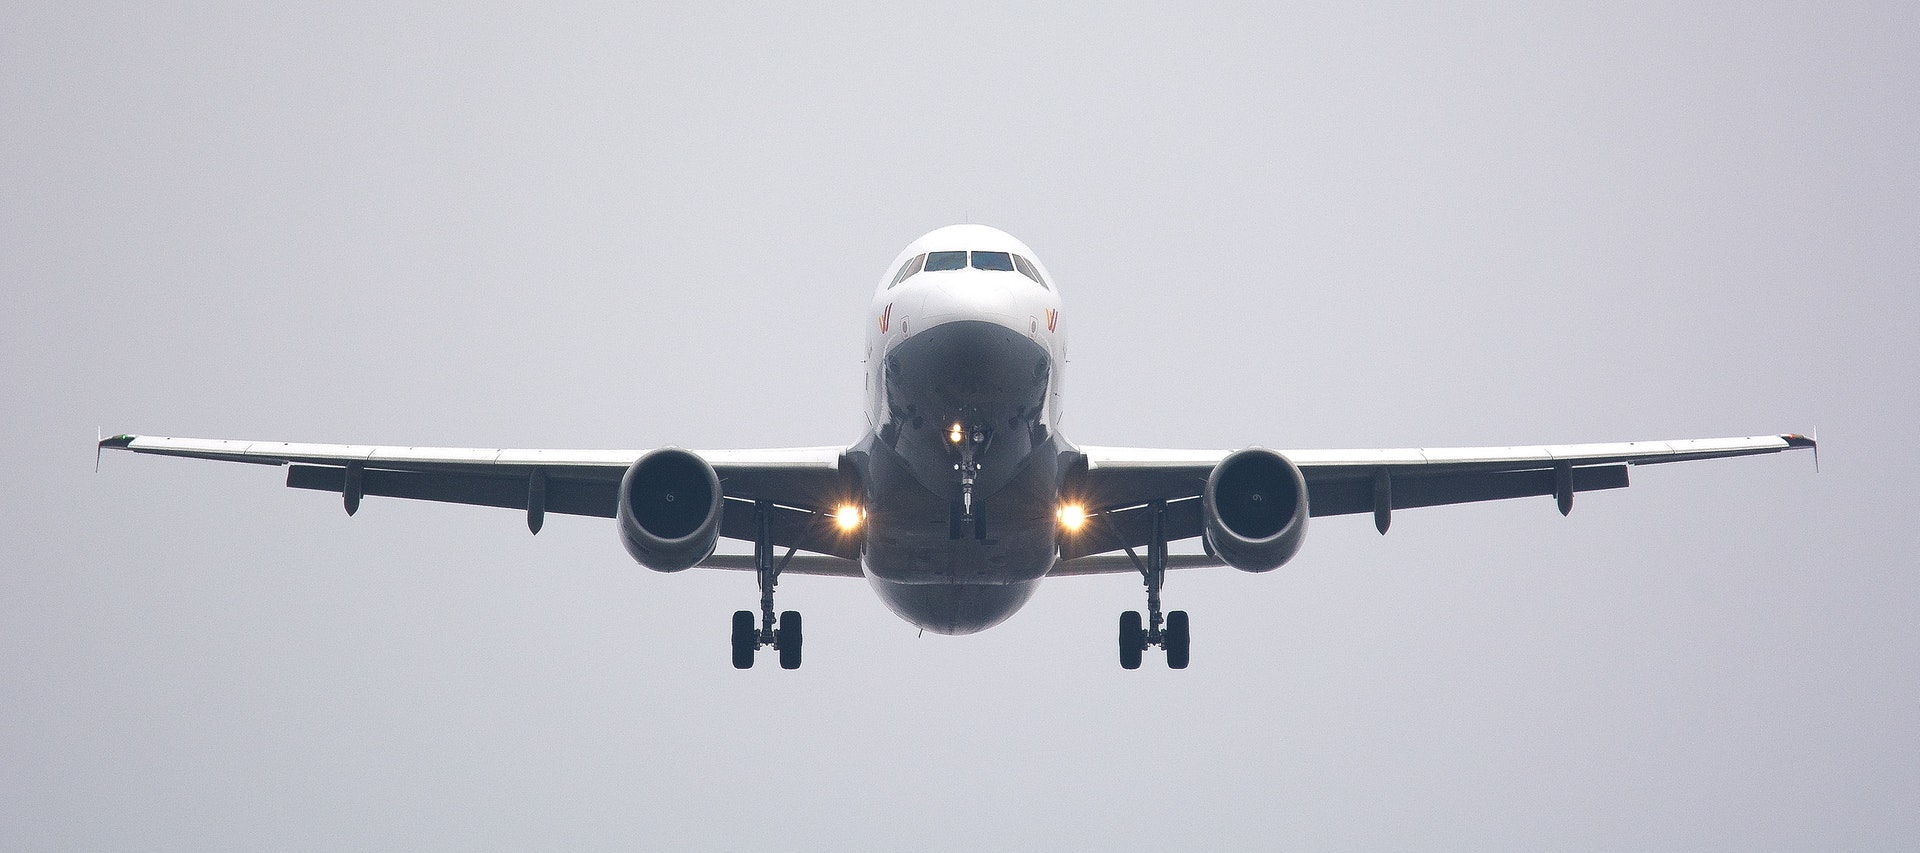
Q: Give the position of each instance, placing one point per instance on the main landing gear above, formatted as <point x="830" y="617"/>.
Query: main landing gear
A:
<point x="783" y="635"/>
<point x="1169" y="633"/>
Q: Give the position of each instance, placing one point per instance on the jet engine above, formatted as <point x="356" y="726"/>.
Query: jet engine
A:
<point x="669" y="514"/>
<point x="1255" y="509"/>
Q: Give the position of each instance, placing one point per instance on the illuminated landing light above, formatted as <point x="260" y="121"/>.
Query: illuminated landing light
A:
<point x="848" y="517"/>
<point x="955" y="435"/>
<point x="1072" y="516"/>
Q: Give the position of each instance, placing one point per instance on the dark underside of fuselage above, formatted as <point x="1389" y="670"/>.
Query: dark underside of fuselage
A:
<point x="932" y="565"/>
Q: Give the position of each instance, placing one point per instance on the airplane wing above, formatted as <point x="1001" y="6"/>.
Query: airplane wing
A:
<point x="802" y="482"/>
<point x="1119" y="481"/>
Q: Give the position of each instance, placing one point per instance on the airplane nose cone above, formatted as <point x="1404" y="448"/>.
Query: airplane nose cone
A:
<point x="972" y="295"/>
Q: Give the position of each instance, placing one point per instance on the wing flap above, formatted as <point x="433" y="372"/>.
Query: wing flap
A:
<point x="1120" y="564"/>
<point x="1348" y="496"/>
<point x="566" y="496"/>
<point x="800" y="564"/>
<point x="1130" y="527"/>
<point x="789" y="527"/>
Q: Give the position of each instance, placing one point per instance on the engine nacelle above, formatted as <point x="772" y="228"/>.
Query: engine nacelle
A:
<point x="670" y="505"/>
<point x="1255" y="508"/>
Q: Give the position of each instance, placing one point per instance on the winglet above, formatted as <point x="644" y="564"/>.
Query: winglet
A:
<point x="1811" y="441"/>
<point x="101" y="444"/>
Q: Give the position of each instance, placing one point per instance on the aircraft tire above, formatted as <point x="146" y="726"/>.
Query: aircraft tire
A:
<point x="789" y="640"/>
<point x="1179" y="640"/>
<point x="1133" y="639"/>
<point x="745" y="639"/>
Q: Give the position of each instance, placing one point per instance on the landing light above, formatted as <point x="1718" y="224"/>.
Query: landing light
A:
<point x="1072" y="516"/>
<point x="955" y="435"/>
<point x="848" y="517"/>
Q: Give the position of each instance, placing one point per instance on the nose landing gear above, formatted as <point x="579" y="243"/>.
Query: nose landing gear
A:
<point x="970" y="442"/>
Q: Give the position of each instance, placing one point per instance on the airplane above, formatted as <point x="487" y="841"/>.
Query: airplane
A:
<point x="962" y="494"/>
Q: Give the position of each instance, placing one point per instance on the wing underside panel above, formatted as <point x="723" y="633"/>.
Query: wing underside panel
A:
<point x="1338" y="493"/>
<point x="790" y="527"/>
<point x="1346" y="496"/>
<point x="563" y="495"/>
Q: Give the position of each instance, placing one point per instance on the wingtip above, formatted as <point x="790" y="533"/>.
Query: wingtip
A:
<point x="101" y="444"/>
<point x="1795" y="440"/>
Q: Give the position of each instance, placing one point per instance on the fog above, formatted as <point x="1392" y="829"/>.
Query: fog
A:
<point x="1298" y="227"/>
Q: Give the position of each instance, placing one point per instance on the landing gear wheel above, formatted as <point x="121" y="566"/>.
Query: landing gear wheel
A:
<point x="746" y="639"/>
<point x="1133" y="639"/>
<point x="1177" y="641"/>
<point x="789" y="640"/>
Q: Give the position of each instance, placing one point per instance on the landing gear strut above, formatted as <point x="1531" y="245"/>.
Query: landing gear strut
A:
<point x="971" y="442"/>
<point x="1169" y="632"/>
<point x="784" y="634"/>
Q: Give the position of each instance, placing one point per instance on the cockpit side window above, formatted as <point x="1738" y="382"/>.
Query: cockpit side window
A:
<point x="944" y="261"/>
<point x="1027" y="269"/>
<point x="997" y="261"/>
<point x="908" y="269"/>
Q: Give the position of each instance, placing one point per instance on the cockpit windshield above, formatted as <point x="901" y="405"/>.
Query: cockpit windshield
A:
<point x="1027" y="269"/>
<point x="908" y="269"/>
<point x="945" y="261"/>
<point x="998" y="261"/>
<point x="950" y="261"/>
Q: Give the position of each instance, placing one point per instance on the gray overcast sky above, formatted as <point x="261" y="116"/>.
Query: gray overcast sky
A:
<point x="1321" y="226"/>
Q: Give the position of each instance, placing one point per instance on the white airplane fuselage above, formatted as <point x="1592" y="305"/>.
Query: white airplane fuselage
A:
<point x="963" y="461"/>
